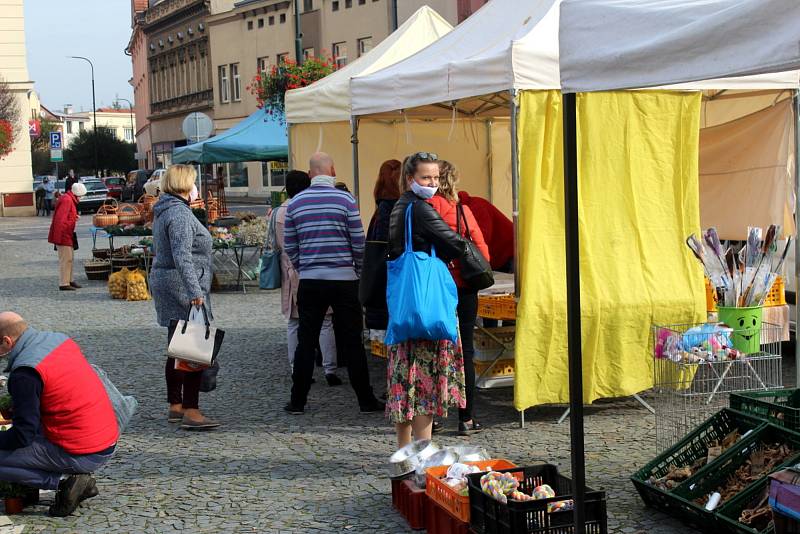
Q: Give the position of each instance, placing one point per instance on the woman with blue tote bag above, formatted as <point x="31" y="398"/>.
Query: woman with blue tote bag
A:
<point x="426" y="368"/>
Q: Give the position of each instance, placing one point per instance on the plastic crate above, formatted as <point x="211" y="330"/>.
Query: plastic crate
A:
<point x="687" y="451"/>
<point x="775" y="405"/>
<point x="728" y="514"/>
<point x="502" y="367"/>
<point x="411" y="504"/>
<point x="785" y="524"/>
<point x="447" y="497"/>
<point x="487" y="349"/>
<point x="497" y="307"/>
<point x="712" y="475"/>
<point x="775" y="297"/>
<point x="440" y="521"/>
<point x="379" y="349"/>
<point x="489" y="516"/>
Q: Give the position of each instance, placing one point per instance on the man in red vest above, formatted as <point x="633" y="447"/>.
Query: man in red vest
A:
<point x="63" y="425"/>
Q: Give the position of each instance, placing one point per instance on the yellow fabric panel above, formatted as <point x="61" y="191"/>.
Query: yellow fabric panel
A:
<point x="637" y="160"/>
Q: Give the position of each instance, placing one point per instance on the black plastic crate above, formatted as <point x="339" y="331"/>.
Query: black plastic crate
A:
<point x="780" y="407"/>
<point x="728" y="515"/>
<point x="687" y="451"/>
<point x="707" y="479"/>
<point x="489" y="516"/>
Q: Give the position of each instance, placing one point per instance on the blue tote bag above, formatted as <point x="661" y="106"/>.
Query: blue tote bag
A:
<point x="270" y="275"/>
<point x="421" y="295"/>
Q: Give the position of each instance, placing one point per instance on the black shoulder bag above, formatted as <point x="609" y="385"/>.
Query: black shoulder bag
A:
<point x="475" y="270"/>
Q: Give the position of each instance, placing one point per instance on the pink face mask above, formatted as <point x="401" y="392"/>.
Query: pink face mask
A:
<point x="193" y="194"/>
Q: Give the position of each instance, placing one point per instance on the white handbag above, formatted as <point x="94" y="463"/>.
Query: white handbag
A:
<point x="194" y="339"/>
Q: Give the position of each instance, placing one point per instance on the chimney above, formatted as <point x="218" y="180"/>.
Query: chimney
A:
<point x="67" y="109"/>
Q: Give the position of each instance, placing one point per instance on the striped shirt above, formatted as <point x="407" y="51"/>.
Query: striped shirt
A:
<point x="323" y="234"/>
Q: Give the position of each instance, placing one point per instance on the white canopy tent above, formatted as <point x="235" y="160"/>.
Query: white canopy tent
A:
<point x="586" y="45"/>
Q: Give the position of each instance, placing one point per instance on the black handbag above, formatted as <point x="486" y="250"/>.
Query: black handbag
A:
<point x="208" y="382"/>
<point x="475" y="270"/>
<point x="372" y="286"/>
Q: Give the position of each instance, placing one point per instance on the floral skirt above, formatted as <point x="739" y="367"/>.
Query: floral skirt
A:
<point x="424" y="378"/>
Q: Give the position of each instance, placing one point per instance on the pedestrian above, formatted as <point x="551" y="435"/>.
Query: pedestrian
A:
<point x="386" y="193"/>
<point x="459" y="218"/>
<point x="324" y="239"/>
<point x="497" y="230"/>
<point x="49" y="194"/>
<point x="296" y="182"/>
<point x="62" y="234"/>
<point x="39" y="196"/>
<point x="63" y="426"/>
<point x="71" y="179"/>
<point x="424" y="377"/>
<point x="180" y="278"/>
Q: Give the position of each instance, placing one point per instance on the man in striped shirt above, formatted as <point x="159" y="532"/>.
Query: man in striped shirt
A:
<point x="324" y="239"/>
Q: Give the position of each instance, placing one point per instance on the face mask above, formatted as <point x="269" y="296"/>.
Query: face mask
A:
<point x="193" y="194"/>
<point x="422" y="191"/>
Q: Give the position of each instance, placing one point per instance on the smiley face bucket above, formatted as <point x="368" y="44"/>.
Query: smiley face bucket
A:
<point x="746" y="324"/>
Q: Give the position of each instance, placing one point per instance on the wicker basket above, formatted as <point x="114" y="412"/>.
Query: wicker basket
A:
<point x="97" y="269"/>
<point x="107" y="214"/>
<point x="146" y="203"/>
<point x="119" y="261"/>
<point x="129" y="214"/>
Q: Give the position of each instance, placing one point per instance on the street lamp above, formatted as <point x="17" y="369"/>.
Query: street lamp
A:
<point x="130" y="108"/>
<point x="94" y="113"/>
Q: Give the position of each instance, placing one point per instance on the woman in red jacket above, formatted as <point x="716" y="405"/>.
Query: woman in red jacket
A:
<point x="445" y="202"/>
<point x="62" y="234"/>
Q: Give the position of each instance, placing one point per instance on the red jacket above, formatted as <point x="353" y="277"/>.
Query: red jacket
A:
<point x="65" y="217"/>
<point x="498" y="230"/>
<point x="448" y="211"/>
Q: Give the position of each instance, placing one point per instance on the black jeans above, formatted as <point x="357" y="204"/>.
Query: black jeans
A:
<point x="182" y="387"/>
<point x="467" y="315"/>
<point x="314" y="297"/>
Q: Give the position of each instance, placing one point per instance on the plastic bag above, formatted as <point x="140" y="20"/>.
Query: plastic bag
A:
<point x="421" y="295"/>
<point x="124" y="405"/>
<point x="137" y="286"/>
<point x="118" y="284"/>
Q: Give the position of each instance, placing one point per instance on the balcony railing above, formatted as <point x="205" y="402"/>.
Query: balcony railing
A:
<point x="182" y="102"/>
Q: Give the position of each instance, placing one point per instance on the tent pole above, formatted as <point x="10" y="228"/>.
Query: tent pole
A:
<point x="491" y="159"/>
<point x="574" y="308"/>
<point x="354" y="141"/>
<point x="797" y="234"/>
<point x="515" y="187"/>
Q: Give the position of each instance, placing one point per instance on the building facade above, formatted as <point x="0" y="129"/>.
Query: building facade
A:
<point x="16" y="179"/>
<point x="140" y="82"/>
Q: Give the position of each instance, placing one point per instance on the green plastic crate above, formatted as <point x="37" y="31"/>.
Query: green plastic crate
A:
<point x="709" y="477"/>
<point x="778" y="406"/>
<point x="728" y="514"/>
<point x="686" y="452"/>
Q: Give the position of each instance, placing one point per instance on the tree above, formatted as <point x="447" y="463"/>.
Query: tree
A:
<point x="10" y="118"/>
<point x="114" y="155"/>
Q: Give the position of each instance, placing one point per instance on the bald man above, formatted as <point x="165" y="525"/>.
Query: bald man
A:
<point x="63" y="426"/>
<point x="324" y="239"/>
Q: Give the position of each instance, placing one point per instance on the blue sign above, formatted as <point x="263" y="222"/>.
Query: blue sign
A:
<point x="55" y="140"/>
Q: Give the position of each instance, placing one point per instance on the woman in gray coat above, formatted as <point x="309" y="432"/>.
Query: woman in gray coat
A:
<point x="179" y="278"/>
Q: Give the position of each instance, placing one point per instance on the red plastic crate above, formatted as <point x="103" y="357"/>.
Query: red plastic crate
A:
<point x="439" y="521"/>
<point x="411" y="504"/>
<point x="396" y="493"/>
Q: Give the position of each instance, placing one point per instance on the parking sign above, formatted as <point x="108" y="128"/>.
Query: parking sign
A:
<point x="55" y="140"/>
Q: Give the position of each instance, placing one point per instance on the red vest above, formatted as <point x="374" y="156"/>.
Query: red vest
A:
<point x="76" y="412"/>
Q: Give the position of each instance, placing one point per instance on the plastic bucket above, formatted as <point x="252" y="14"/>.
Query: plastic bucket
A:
<point x="746" y="324"/>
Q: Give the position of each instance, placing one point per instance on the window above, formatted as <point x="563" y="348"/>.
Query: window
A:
<point x="364" y="45"/>
<point x="348" y="3"/>
<point x="236" y="85"/>
<point x="362" y="2"/>
<point x="128" y="134"/>
<point x="282" y="58"/>
<point x="335" y="5"/>
<point x="262" y="65"/>
<point x="223" y="84"/>
<point x="273" y="174"/>
<point x="249" y="24"/>
<point x="272" y="21"/>
<point x="69" y="127"/>
<point x="308" y="52"/>
<point x="283" y="18"/>
<point x="340" y="54"/>
<point x="237" y="177"/>
<point x="308" y="5"/>
<point x="81" y="126"/>
<point x="260" y="23"/>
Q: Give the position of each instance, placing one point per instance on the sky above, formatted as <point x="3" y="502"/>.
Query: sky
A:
<point x="96" y="29"/>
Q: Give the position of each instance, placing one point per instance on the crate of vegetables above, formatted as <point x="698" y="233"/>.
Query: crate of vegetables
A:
<point x="778" y="406"/>
<point x="743" y="465"/>
<point x="659" y="478"/>
<point x="456" y="499"/>
<point x="749" y="512"/>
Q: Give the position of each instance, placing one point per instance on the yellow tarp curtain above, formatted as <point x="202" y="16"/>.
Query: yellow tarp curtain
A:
<point x="638" y="187"/>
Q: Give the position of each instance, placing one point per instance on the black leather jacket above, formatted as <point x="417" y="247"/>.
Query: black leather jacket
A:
<point x="427" y="228"/>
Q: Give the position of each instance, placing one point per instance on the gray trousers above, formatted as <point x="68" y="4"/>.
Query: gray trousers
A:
<point x="41" y="464"/>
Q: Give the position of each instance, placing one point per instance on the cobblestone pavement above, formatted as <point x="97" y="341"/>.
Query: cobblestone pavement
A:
<point x="266" y="471"/>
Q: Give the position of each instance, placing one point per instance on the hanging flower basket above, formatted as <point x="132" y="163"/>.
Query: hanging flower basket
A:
<point x="270" y="87"/>
<point x="6" y="138"/>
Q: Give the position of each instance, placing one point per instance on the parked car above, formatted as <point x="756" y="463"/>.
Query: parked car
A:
<point x="96" y="195"/>
<point x="135" y="185"/>
<point x="153" y="184"/>
<point x="115" y="185"/>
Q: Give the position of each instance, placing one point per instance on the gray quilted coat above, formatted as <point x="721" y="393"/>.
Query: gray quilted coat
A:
<point x="181" y="270"/>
